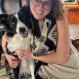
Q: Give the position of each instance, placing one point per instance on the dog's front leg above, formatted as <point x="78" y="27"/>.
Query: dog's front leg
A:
<point x="32" y="69"/>
<point x="25" y="69"/>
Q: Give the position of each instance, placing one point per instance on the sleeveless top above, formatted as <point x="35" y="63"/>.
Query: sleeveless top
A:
<point x="44" y="43"/>
<point x="41" y="46"/>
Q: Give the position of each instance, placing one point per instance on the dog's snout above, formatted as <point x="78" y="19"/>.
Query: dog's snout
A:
<point x="22" y="29"/>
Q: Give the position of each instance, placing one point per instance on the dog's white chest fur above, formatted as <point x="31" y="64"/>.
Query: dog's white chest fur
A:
<point x="17" y="42"/>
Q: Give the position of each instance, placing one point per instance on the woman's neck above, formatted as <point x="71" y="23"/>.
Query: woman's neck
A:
<point x="41" y="23"/>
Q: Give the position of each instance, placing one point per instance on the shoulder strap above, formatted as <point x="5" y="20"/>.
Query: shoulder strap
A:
<point x="52" y="18"/>
<point x="53" y="22"/>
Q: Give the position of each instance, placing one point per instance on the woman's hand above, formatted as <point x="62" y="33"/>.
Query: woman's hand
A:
<point x="12" y="60"/>
<point x="23" y="54"/>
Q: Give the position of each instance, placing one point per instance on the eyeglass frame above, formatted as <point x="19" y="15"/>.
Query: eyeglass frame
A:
<point x="46" y="4"/>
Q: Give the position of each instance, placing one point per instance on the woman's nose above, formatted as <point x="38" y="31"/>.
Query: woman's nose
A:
<point x="41" y="6"/>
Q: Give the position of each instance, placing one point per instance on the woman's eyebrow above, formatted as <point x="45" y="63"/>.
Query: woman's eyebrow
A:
<point x="43" y="0"/>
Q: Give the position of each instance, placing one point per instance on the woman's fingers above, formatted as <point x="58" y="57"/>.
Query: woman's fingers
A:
<point x="22" y="54"/>
<point x="12" y="60"/>
<point x="14" y="64"/>
<point x="28" y="53"/>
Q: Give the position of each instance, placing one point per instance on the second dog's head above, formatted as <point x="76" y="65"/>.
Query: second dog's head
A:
<point x="13" y="25"/>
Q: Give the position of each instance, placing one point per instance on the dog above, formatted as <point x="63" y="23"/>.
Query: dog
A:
<point x="18" y="37"/>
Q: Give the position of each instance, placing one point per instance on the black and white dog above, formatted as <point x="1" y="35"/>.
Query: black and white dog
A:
<point x="18" y="37"/>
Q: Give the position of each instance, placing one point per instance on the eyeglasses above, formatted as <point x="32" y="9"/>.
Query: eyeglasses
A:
<point x="47" y="4"/>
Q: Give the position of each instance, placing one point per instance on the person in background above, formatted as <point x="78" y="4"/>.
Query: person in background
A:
<point x="53" y="35"/>
<point x="9" y="6"/>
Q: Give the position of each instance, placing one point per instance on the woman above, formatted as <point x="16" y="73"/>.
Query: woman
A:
<point x="61" y="62"/>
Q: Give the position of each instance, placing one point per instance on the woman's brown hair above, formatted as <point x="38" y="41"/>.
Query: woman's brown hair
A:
<point x="57" y="9"/>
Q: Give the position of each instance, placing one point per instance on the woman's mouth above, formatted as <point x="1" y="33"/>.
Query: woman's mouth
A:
<point x="39" y="12"/>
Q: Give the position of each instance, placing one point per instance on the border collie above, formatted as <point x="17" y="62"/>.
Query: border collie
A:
<point x="18" y="37"/>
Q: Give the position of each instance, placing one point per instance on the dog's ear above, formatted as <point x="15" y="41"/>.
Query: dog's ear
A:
<point x="24" y="16"/>
<point x="3" y="18"/>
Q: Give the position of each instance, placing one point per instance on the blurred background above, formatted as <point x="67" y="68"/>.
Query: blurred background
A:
<point x="71" y="8"/>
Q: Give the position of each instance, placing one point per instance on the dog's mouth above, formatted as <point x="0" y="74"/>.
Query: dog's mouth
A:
<point x="25" y="34"/>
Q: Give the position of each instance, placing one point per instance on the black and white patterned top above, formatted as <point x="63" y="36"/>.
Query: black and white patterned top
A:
<point x="47" y="40"/>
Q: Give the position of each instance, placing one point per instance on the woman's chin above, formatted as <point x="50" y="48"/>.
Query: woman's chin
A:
<point x="38" y="17"/>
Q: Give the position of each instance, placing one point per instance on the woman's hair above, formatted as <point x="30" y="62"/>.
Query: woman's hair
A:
<point x="57" y="9"/>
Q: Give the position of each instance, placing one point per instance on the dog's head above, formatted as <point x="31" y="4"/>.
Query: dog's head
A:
<point x="13" y="25"/>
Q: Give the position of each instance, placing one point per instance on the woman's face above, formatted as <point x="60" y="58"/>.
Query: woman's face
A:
<point x="40" y="8"/>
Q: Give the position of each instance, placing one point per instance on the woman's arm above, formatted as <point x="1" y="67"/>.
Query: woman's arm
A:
<point x="63" y="45"/>
<point x="13" y="61"/>
<point x="4" y="42"/>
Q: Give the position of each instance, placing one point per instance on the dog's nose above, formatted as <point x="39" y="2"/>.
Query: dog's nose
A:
<point x="22" y="29"/>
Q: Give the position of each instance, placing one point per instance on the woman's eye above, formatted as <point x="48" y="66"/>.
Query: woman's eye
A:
<point x="38" y="0"/>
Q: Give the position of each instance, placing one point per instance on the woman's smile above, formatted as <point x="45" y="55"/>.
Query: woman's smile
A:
<point x="39" y="12"/>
